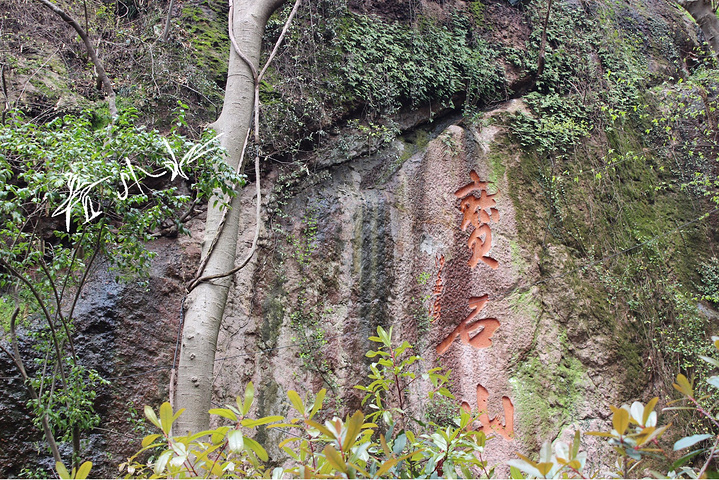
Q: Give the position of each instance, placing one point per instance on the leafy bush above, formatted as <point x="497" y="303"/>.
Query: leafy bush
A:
<point x="387" y="443"/>
<point x="388" y="64"/>
<point x="709" y="276"/>
<point x="71" y="191"/>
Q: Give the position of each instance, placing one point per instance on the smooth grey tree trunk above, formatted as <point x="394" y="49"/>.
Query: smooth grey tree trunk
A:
<point x="205" y="304"/>
<point x="703" y="13"/>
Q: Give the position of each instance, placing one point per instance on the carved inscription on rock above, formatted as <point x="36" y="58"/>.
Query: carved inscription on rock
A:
<point x="435" y="310"/>
<point x="493" y="424"/>
<point x="477" y="333"/>
<point x="479" y="210"/>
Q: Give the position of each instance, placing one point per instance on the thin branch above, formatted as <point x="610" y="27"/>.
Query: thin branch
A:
<point x="542" y="46"/>
<point x="253" y="248"/>
<point x="166" y="30"/>
<point x="238" y="50"/>
<point x="36" y="294"/>
<point x="72" y="263"/>
<point x="6" y="101"/>
<point x="33" y="394"/>
<point x="58" y="312"/>
<point x="709" y="460"/>
<point x="281" y="37"/>
<point x="102" y="76"/>
<point x="35" y="72"/>
<point x="87" y="271"/>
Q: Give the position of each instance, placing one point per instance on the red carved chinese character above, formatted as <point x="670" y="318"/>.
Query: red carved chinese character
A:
<point x="436" y="309"/>
<point x="468" y="329"/>
<point x="470" y="187"/>
<point x="478" y="211"/>
<point x="494" y="425"/>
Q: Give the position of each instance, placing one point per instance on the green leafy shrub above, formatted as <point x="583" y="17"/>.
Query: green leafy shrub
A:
<point x="381" y="444"/>
<point x="709" y="276"/>
<point x="387" y="443"/>
<point x="390" y="64"/>
<point x="70" y="192"/>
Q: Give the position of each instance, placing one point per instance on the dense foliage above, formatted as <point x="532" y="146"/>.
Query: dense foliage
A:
<point x="73" y="191"/>
<point x="389" y="443"/>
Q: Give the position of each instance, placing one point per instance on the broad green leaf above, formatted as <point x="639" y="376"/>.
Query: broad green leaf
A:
<point x="224" y="412"/>
<point x="636" y="412"/>
<point x="62" y="471"/>
<point x="710" y="360"/>
<point x="249" y="423"/>
<point x="285" y="441"/>
<point x="713" y="381"/>
<point x="319" y="399"/>
<point x="561" y="452"/>
<point x="257" y="448"/>
<point x="515" y="473"/>
<point x="385" y="467"/>
<point x="206" y="453"/>
<point x="249" y="397"/>
<point x="204" y="433"/>
<point x="620" y="420"/>
<point x="335" y="459"/>
<point x="684" y="386"/>
<point x="358" y="469"/>
<point x="296" y="402"/>
<point x="691" y="440"/>
<point x="527" y="460"/>
<point x="161" y="462"/>
<point x="324" y="430"/>
<point x="684" y="459"/>
<point x="601" y="434"/>
<point x="219" y="436"/>
<point x="399" y="443"/>
<point x="545" y="453"/>
<point x="177" y="415"/>
<point x="166" y="417"/>
<point x="544" y="468"/>
<point x="83" y="471"/>
<point x="150" y="414"/>
<point x="526" y="467"/>
<point x="383" y="443"/>
<point x="575" y="444"/>
<point x="353" y="426"/>
<point x="149" y="439"/>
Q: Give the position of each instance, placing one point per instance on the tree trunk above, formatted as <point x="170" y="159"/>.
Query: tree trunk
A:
<point x="205" y="304"/>
<point x="705" y="16"/>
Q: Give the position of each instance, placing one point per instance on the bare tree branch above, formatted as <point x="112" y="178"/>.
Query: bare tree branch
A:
<point x="543" y="45"/>
<point x="101" y="75"/>
<point x="6" y="101"/>
<point x="166" y="30"/>
<point x="17" y="359"/>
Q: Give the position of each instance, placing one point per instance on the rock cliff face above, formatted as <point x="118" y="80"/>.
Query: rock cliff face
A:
<point x="488" y="251"/>
<point x="419" y="238"/>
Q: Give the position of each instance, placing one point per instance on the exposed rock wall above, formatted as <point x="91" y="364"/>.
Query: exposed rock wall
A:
<point x="474" y="275"/>
<point x="426" y="243"/>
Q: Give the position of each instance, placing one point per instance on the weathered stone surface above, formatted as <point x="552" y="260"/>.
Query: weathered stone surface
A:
<point x="127" y="333"/>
